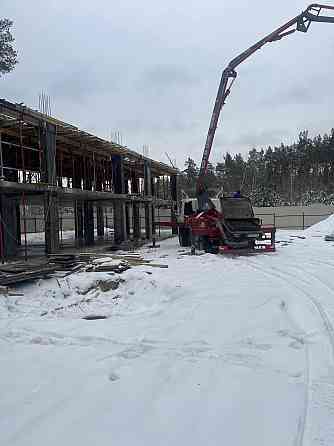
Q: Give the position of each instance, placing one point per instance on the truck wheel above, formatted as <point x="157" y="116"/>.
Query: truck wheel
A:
<point x="184" y="237"/>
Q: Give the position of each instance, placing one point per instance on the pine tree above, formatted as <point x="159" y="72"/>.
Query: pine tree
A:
<point x="8" y="55"/>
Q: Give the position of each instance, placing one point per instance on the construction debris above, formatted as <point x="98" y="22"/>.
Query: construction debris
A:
<point x="64" y="261"/>
<point x="100" y="262"/>
<point x="16" y="272"/>
<point x="21" y="271"/>
<point x="109" y="265"/>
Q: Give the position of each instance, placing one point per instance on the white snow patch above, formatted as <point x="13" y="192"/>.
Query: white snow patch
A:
<point x="324" y="227"/>
<point x="213" y="350"/>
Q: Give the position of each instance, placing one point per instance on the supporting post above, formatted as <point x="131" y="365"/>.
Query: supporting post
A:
<point x="51" y="213"/>
<point x="51" y="216"/>
<point x="136" y="221"/>
<point x="120" y="230"/>
<point x="88" y="223"/>
<point x="79" y="223"/>
<point x="173" y="191"/>
<point x="94" y="172"/>
<point x="149" y="209"/>
<point x="100" y="221"/>
<point x="120" y="234"/>
<point x="24" y="205"/>
<point x="127" y="220"/>
<point x="88" y="205"/>
<point x="8" y="227"/>
<point x="135" y="207"/>
<point x="77" y="173"/>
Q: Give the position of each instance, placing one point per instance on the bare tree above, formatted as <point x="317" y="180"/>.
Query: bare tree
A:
<point x="8" y="55"/>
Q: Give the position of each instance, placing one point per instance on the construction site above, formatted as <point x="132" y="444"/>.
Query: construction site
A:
<point x="61" y="187"/>
<point x="132" y="312"/>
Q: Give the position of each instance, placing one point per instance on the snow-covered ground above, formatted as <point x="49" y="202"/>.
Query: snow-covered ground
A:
<point x="213" y="350"/>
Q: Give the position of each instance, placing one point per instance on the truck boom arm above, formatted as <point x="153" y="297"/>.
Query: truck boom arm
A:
<point x="301" y="23"/>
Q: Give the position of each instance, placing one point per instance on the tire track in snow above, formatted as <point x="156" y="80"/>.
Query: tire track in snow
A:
<point x="316" y="387"/>
<point x="323" y="395"/>
<point x="325" y="319"/>
<point x="299" y="439"/>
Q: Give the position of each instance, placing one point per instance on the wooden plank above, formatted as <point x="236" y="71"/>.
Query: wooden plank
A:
<point x="21" y="277"/>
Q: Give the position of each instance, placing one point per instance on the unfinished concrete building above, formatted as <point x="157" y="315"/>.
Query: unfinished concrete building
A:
<point x="93" y="189"/>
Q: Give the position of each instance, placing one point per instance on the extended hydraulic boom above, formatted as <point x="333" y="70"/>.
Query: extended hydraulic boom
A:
<point x="301" y="23"/>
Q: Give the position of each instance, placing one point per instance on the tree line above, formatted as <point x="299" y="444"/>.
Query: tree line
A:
<point x="298" y="174"/>
<point x="8" y="55"/>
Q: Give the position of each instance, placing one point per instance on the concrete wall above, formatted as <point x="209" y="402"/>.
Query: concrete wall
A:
<point x="294" y="217"/>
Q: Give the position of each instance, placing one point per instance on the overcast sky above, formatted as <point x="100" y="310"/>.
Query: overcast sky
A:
<point x="150" y="70"/>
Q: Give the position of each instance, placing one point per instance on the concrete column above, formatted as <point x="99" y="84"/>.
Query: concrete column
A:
<point x="120" y="230"/>
<point x="78" y="204"/>
<point x="88" y="223"/>
<point x="88" y="205"/>
<point x="79" y="222"/>
<point x="127" y="220"/>
<point x="148" y="221"/>
<point x="135" y="207"/>
<point x="8" y="227"/>
<point x="136" y="221"/>
<point x="49" y="175"/>
<point x="174" y="196"/>
<point x="99" y="207"/>
<point x="120" y="234"/>
<point x="100" y="221"/>
<point x="148" y="206"/>
<point x="136" y="227"/>
<point x="153" y="220"/>
<point x="88" y="218"/>
<point x="51" y="217"/>
<point x="48" y="144"/>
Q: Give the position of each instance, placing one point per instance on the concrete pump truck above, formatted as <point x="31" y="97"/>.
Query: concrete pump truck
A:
<point x="228" y="223"/>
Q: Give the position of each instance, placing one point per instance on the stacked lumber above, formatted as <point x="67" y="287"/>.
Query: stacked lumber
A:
<point x="22" y="271"/>
<point x="103" y="262"/>
<point x="64" y="261"/>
